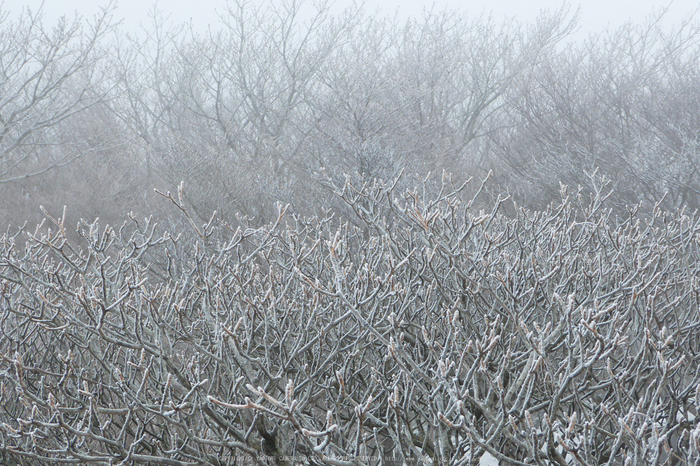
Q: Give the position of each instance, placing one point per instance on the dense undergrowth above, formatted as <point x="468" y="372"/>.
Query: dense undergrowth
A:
<point x="417" y="330"/>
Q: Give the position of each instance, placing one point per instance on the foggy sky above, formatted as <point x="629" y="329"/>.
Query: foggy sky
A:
<point x="595" y="15"/>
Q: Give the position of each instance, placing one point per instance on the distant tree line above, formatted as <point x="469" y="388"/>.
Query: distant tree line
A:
<point x="275" y="104"/>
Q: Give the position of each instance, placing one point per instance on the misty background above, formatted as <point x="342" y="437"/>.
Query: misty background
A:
<point x="595" y="15"/>
<point x="256" y="104"/>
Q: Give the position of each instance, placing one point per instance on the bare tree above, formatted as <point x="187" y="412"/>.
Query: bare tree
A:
<point x="422" y="93"/>
<point x="605" y="104"/>
<point x="229" y="109"/>
<point x="47" y="77"/>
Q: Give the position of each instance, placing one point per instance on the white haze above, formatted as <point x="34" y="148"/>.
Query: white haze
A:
<point x="594" y="15"/>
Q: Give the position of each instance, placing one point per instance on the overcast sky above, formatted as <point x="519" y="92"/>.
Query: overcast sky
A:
<point x="595" y="14"/>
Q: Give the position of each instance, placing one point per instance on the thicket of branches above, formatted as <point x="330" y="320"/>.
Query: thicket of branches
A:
<point x="429" y="332"/>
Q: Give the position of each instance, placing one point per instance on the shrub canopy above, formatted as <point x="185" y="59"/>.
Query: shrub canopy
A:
<point x="423" y="331"/>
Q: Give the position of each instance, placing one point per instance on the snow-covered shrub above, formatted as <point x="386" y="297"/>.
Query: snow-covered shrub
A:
<point x="432" y="334"/>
